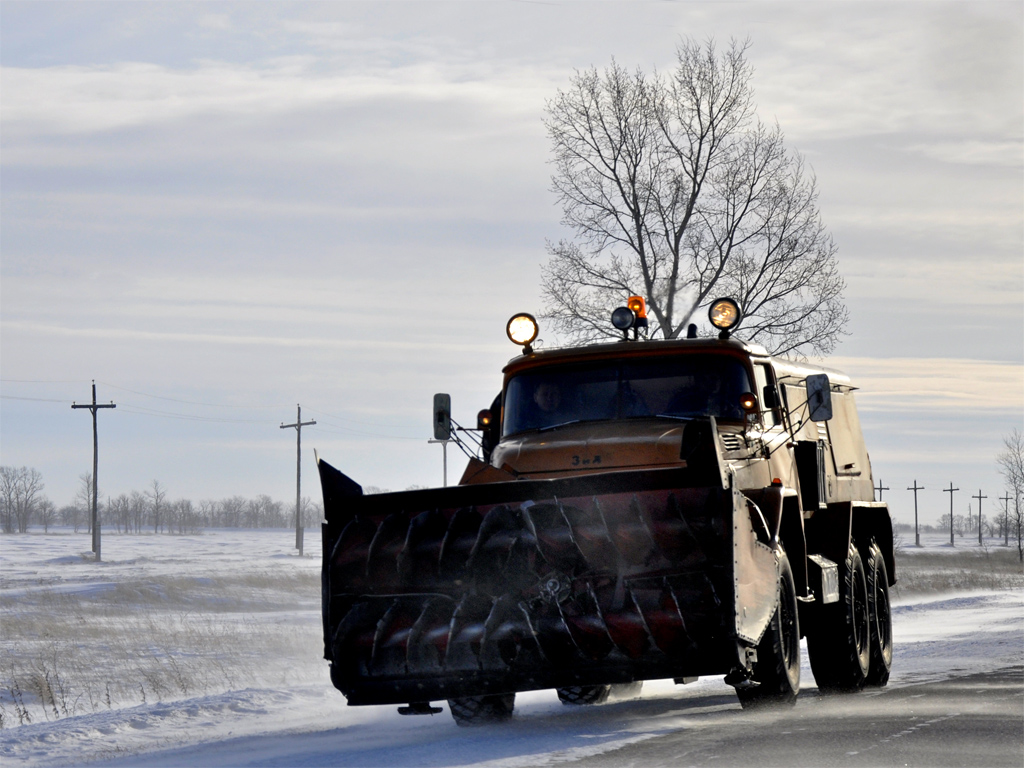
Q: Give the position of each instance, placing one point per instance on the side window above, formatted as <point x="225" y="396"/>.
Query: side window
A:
<point x="766" y="393"/>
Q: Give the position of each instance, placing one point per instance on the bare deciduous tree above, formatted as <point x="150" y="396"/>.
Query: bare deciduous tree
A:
<point x="156" y="495"/>
<point x="46" y="513"/>
<point x="1011" y="467"/>
<point x="83" y="500"/>
<point x="677" y="192"/>
<point x="20" y="496"/>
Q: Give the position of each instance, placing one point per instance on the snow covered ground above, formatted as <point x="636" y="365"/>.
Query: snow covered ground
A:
<point x="206" y="650"/>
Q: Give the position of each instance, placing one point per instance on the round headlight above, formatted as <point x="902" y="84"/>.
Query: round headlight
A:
<point x="622" y="318"/>
<point x="725" y="314"/>
<point x="522" y="329"/>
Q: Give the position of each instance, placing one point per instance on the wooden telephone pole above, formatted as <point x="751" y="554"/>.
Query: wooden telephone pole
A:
<point x="1006" y="519"/>
<point x="93" y="513"/>
<point x="881" y="488"/>
<point x="979" y="497"/>
<point x="297" y="426"/>
<point x="917" y="531"/>
<point x="950" y="491"/>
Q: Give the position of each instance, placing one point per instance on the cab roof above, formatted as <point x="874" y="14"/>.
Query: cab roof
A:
<point x="784" y="368"/>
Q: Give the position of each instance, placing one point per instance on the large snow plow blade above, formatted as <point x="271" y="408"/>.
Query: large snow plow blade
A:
<point x="523" y="585"/>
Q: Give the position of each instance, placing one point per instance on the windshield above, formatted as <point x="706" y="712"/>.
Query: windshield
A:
<point x="686" y="386"/>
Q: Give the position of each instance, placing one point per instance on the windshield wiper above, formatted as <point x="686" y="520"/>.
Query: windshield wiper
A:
<point x="560" y="424"/>
<point x="674" y="417"/>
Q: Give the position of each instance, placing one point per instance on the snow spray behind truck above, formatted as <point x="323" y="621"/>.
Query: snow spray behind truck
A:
<point x="639" y="510"/>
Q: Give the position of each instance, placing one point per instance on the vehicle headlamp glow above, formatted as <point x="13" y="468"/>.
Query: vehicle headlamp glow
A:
<point x="622" y="318"/>
<point x="522" y="329"/>
<point x="748" y="402"/>
<point x="725" y="314"/>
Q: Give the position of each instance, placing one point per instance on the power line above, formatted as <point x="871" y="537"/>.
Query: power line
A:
<point x="43" y="381"/>
<point x="343" y="418"/>
<point x="187" y="402"/>
<point x="142" y="410"/>
<point x="35" y="399"/>
<point x="335" y="420"/>
<point x="339" y="430"/>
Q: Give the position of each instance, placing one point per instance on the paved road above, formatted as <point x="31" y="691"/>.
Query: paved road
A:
<point x="967" y="721"/>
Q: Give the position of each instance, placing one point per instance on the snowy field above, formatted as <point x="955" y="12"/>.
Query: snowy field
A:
<point x="194" y="650"/>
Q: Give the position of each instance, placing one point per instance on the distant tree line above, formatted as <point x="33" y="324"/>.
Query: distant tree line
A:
<point x="22" y="499"/>
<point x="22" y="504"/>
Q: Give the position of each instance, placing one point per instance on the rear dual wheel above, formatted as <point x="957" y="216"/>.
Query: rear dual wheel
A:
<point x="879" y="617"/>
<point x="839" y="641"/>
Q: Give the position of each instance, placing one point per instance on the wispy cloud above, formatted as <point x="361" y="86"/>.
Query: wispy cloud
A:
<point x="945" y="385"/>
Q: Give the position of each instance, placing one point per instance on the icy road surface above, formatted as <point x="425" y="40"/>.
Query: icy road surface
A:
<point x="291" y="716"/>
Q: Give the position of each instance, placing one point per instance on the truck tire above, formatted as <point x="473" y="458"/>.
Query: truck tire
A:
<point x="839" y="640"/>
<point x="583" y="695"/>
<point x="777" y="670"/>
<point x="880" y="617"/>
<point x="481" y="710"/>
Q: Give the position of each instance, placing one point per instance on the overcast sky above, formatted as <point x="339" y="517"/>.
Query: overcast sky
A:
<point x="218" y="211"/>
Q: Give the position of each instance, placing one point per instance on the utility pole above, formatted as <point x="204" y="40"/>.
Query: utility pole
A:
<point x="297" y="426"/>
<point x="881" y="488"/>
<point x="93" y="513"/>
<point x="444" y="459"/>
<point x="950" y="491"/>
<point x="1006" y="519"/>
<point x="917" y="531"/>
<point x="979" y="497"/>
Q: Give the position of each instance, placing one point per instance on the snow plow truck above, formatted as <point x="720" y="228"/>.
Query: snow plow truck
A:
<point x="638" y="510"/>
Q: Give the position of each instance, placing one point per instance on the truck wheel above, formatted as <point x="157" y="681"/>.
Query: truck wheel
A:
<point x="777" y="671"/>
<point x="481" y="710"/>
<point x="839" y="642"/>
<point x="880" y="617"/>
<point x="582" y="695"/>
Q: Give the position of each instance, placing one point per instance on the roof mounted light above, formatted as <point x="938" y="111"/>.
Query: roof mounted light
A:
<point x="639" y="307"/>
<point x="725" y="314"/>
<point x="622" y="318"/>
<point x="522" y="329"/>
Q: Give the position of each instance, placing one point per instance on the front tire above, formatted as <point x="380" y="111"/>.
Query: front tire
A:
<point x="839" y="642"/>
<point x="777" y="671"/>
<point x="880" y="617"/>
<point x="482" y="710"/>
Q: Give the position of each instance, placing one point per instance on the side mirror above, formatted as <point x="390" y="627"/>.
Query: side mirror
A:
<point x="819" y="397"/>
<point x="442" y="416"/>
<point x="771" y="397"/>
